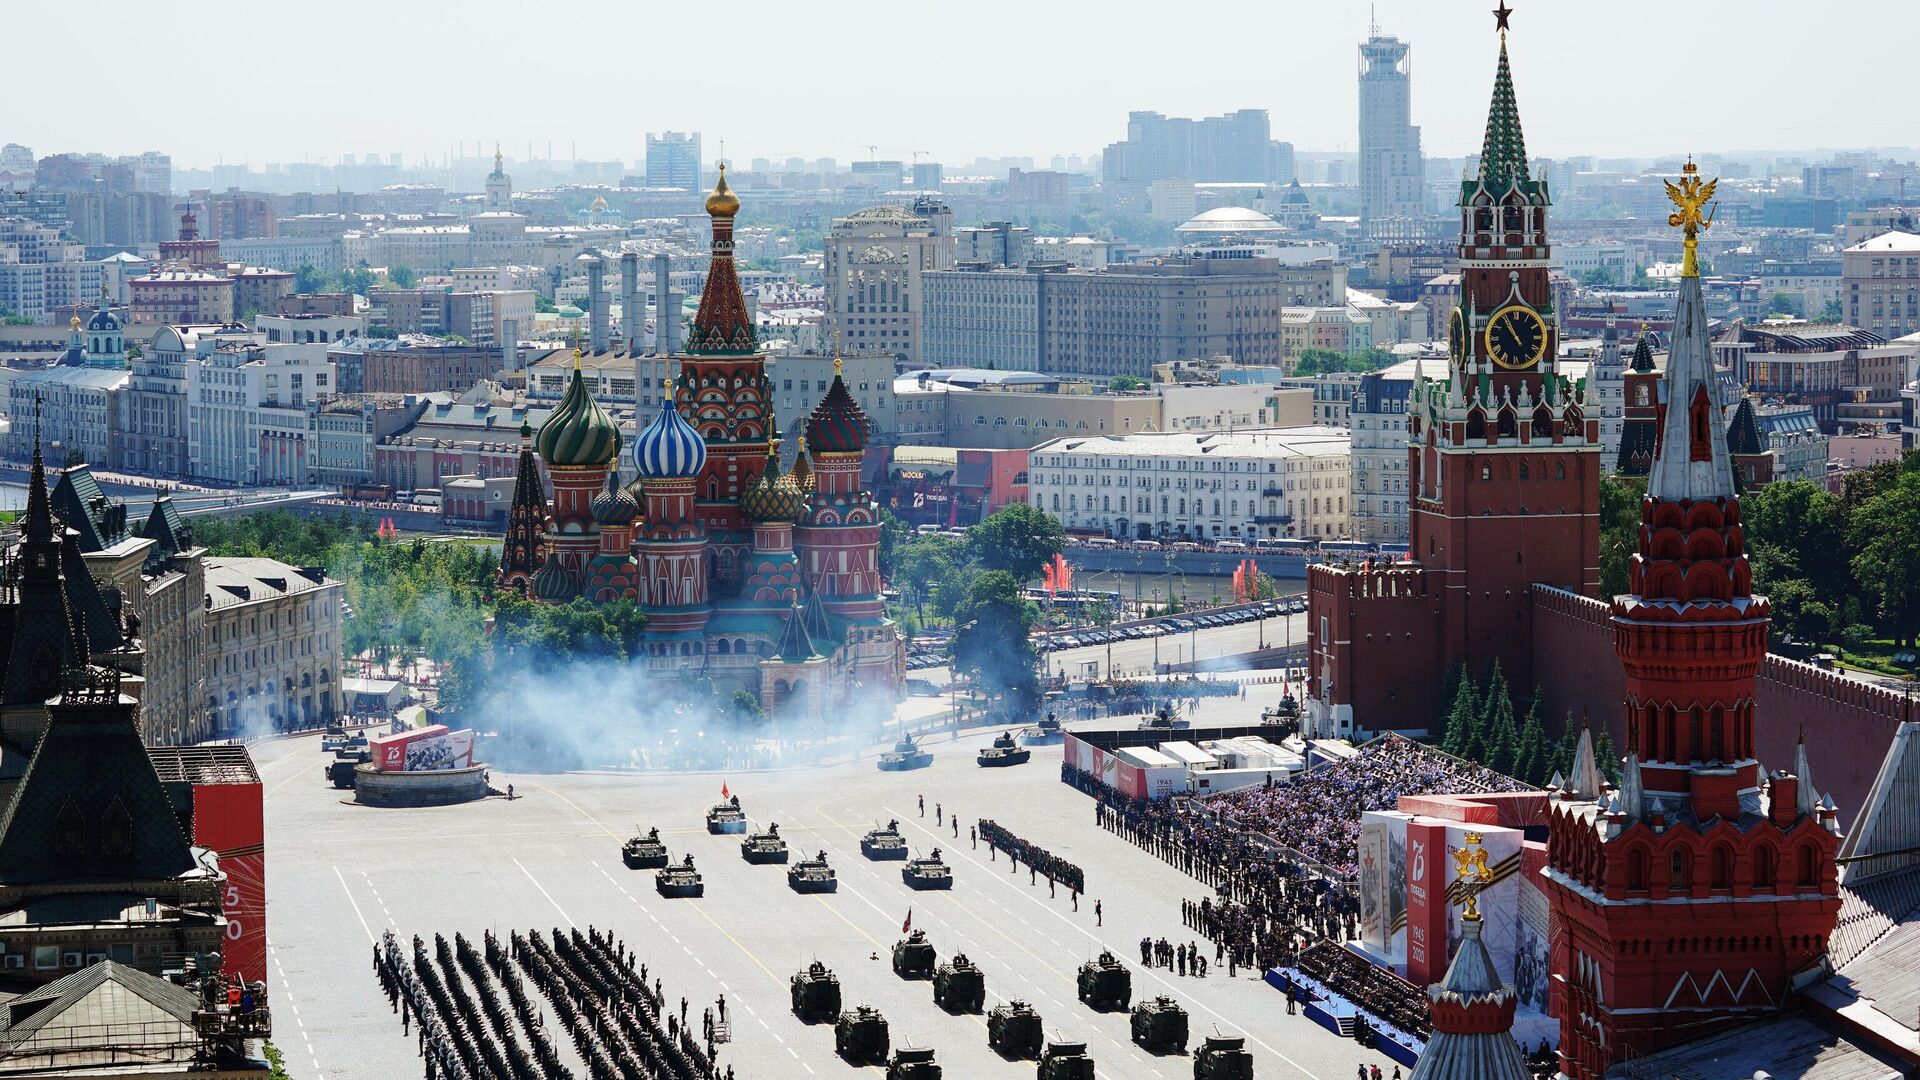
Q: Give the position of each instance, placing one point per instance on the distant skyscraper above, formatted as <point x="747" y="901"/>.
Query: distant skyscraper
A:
<point x="673" y="160"/>
<point x="1392" y="184"/>
<point x="1236" y="147"/>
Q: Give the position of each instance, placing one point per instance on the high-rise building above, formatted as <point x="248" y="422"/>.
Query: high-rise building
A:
<point x="1236" y="147"/>
<point x="41" y="273"/>
<point x="673" y="160"/>
<point x="1392" y="179"/>
<point x="874" y="264"/>
<point x="1880" y="284"/>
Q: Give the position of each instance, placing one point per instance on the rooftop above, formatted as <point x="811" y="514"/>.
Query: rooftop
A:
<point x="1251" y="442"/>
<point x="1230" y="219"/>
<point x="1904" y="242"/>
<point x="233" y="581"/>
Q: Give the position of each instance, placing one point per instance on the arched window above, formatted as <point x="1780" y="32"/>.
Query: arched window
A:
<point x="1722" y="867"/>
<point x="1677" y="872"/>
<point x="1809" y="875"/>
<point x="1637" y="869"/>
<point x="1763" y="868"/>
<point x="1525" y="473"/>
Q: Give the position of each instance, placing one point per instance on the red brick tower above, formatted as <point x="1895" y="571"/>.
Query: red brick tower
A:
<point x="839" y="534"/>
<point x="1691" y="896"/>
<point x="1504" y="464"/>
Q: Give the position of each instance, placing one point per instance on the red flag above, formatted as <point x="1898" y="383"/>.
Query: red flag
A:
<point x="723" y="789"/>
<point x="907" y="927"/>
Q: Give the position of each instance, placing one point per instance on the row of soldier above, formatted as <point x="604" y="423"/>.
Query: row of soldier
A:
<point x="1037" y="858"/>
<point x="619" y="1024"/>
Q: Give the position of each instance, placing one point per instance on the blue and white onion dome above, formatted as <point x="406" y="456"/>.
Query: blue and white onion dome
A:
<point x="669" y="448"/>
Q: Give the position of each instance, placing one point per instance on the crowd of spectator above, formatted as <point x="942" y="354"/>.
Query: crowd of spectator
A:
<point x="1376" y="990"/>
<point x="1038" y="859"/>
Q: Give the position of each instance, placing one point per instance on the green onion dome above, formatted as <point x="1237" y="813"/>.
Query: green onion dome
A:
<point x="579" y="432"/>
<point x="773" y="497"/>
<point x="552" y="582"/>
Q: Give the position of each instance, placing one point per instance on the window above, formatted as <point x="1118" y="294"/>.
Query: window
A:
<point x="1677" y="872"/>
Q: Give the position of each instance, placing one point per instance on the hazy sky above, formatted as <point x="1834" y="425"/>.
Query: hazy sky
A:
<point x="258" y="82"/>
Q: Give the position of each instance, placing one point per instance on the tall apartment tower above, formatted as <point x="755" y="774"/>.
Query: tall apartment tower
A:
<point x="1392" y="180"/>
<point x="673" y="160"/>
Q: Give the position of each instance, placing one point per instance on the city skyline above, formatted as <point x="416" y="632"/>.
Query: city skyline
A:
<point x="993" y="105"/>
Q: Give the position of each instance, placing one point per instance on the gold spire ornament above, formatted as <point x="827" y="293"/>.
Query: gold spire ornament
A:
<point x="1691" y="195"/>
<point x="1470" y="864"/>
<point x="836" y="351"/>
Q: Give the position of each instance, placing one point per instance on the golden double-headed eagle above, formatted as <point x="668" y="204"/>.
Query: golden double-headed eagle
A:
<point x="1470" y="866"/>
<point x="1690" y="196"/>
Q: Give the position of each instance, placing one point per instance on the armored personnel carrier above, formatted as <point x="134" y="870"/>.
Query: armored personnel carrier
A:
<point x="1013" y="1029"/>
<point x="1004" y="752"/>
<point x="339" y="771"/>
<point x="927" y="873"/>
<point x="681" y="880"/>
<point x="1160" y="1025"/>
<point x="1065" y="1061"/>
<point x="644" y="852"/>
<point x="913" y="956"/>
<point x="726" y="817"/>
<point x="334" y="738"/>
<point x="913" y="1063"/>
<point x="1223" y="1057"/>
<point x="812" y="875"/>
<point x="958" y="985"/>
<point x="764" y="847"/>
<point x="884" y="843"/>
<point x="1106" y="983"/>
<point x="816" y="994"/>
<point x="905" y="755"/>
<point x="861" y="1035"/>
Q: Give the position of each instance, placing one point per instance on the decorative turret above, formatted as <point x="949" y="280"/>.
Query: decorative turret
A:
<point x="614" y="506"/>
<point x="673" y="548"/>
<point x="802" y="467"/>
<point x="838" y="424"/>
<point x="553" y="584"/>
<point x="579" y="432"/>
<point x="46" y="639"/>
<point x="523" y="549"/>
<point x="722" y="324"/>
<point x="773" y="497"/>
<point x="669" y="448"/>
<point x="1472" y="1008"/>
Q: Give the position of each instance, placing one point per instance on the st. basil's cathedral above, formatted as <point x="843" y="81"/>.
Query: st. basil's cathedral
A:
<point x="764" y="580"/>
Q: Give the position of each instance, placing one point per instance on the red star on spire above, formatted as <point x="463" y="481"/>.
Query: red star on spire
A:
<point x="1502" y="14"/>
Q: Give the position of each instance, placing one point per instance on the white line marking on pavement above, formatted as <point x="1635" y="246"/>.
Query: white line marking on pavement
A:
<point x="356" y="904"/>
<point x="543" y="892"/>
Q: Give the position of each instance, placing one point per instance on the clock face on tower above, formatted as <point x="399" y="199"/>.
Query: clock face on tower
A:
<point x="1516" y="337"/>
<point x="1457" y="337"/>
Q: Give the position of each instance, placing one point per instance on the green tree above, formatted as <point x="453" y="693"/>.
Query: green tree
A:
<point x="1561" y="761"/>
<point x="1534" y="750"/>
<point x="1831" y="312"/>
<point x="1463" y="720"/>
<point x="307" y="278"/>
<point x="992" y="642"/>
<point x="894" y="533"/>
<point x="1798" y="610"/>
<point x="1781" y="304"/>
<point x="925" y="564"/>
<point x="402" y="276"/>
<point x="1499" y="737"/>
<point x="1019" y="539"/>
<point x="1619" y="531"/>
<point x="1605" y="756"/>
<point x="544" y="305"/>
<point x="1599" y="275"/>
<point x="1120" y="384"/>
<point x="1793" y="530"/>
<point x="1885" y="533"/>
<point x="1449" y="689"/>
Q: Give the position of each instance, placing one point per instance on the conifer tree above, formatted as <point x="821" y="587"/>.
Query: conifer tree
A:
<point x="1463" y="720"/>
<point x="1605" y="756"/>
<point x="1498" y="735"/>
<point x="1534" y="750"/>
<point x="1449" y="690"/>
<point x="1561" y="760"/>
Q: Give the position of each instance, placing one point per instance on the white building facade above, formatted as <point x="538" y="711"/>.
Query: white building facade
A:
<point x="873" y="263"/>
<point x="247" y="412"/>
<point x="273" y="644"/>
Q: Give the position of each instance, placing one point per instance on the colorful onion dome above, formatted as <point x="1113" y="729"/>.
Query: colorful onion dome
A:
<point x="802" y="469"/>
<point x="669" y="448"/>
<point x="614" y="506"/>
<point x="552" y="582"/>
<point x="579" y="432"/>
<point x="838" y="424"/>
<point x="773" y="497"/>
<point x="723" y="202"/>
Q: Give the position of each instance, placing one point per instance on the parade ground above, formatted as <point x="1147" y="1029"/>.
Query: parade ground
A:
<point x="339" y="875"/>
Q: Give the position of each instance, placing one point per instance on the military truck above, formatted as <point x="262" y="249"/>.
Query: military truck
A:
<point x="905" y="755"/>
<point x="812" y="875"/>
<point x="958" y="985"/>
<point x="726" y="817"/>
<point x="764" y="847"/>
<point x="681" y="880"/>
<point x="1013" y="1029"/>
<point x="1004" y="752"/>
<point x="1223" y="1057"/>
<point x="1065" y="1061"/>
<point x="816" y="994"/>
<point x="861" y="1035"/>
<point x="884" y="843"/>
<point x="1160" y="1025"/>
<point x="913" y="956"/>
<point x="927" y="873"/>
<point x="1106" y="983"/>
<point x="644" y="852"/>
<point x="913" y="1063"/>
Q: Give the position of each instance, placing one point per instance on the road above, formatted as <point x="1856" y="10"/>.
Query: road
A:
<point x="1139" y="656"/>
<point x="339" y="874"/>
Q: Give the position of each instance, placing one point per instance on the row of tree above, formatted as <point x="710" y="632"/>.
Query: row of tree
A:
<point x="1479" y="726"/>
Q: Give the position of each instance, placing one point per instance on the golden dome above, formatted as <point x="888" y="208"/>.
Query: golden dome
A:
<point x="723" y="202"/>
<point x="76" y="324"/>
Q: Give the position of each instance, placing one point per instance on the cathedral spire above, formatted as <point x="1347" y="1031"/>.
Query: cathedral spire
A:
<point x="721" y="325"/>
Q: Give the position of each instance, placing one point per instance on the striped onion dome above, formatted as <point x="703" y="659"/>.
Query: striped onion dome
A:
<point x="802" y="468"/>
<point x="838" y="424"/>
<point x="614" y="506"/>
<point x="669" y="448"/>
<point x="552" y="582"/>
<point x="579" y="432"/>
<point x="772" y="497"/>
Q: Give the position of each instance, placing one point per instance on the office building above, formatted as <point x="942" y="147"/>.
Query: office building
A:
<point x="1392" y="176"/>
<point x="1236" y="147"/>
<point x="247" y="411"/>
<point x="1377" y="417"/>
<point x="1880" y="283"/>
<point x="673" y="160"/>
<point x="875" y="262"/>
<point x="42" y="273"/>
<point x="467" y="315"/>
<point x="181" y="296"/>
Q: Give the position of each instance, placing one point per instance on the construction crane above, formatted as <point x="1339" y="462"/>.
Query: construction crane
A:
<point x="918" y="154"/>
<point x="870" y="150"/>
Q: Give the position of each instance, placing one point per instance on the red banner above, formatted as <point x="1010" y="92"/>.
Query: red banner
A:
<point x="1426" y="902"/>
<point x="228" y="819"/>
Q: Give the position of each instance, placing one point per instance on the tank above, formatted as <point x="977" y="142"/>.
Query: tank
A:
<point x="1106" y="983"/>
<point x="339" y="771"/>
<point x="861" y="1035"/>
<point x="927" y="873"/>
<point x="1160" y="1025"/>
<point x="1004" y="752"/>
<point x="1223" y="1057"/>
<point x="764" y="847"/>
<point x="913" y="1063"/>
<point x="816" y="994"/>
<point x="913" y="956"/>
<point x="884" y="843"/>
<point x="681" y="880"/>
<point x="1162" y="721"/>
<point x="1065" y="1061"/>
<point x="644" y="852"/>
<point x="905" y="755"/>
<point x="726" y="817"/>
<point x="958" y="985"/>
<point x="812" y="875"/>
<point x="1013" y="1030"/>
<point x="1046" y="732"/>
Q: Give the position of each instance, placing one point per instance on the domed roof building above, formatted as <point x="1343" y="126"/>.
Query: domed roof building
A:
<point x="579" y="433"/>
<point x="1229" y="221"/>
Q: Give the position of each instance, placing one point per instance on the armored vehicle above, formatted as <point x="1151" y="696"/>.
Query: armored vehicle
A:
<point x="812" y="875"/>
<point x="644" y="852"/>
<point x="861" y="1035"/>
<point x="1046" y="732"/>
<point x="913" y="1063"/>
<point x="1162" y="721"/>
<point x="764" y="847"/>
<point x="927" y="873"/>
<point x="958" y="985"/>
<point x="1106" y="983"/>
<point x="1013" y="1029"/>
<point x="1004" y="752"/>
<point x="816" y="994"/>
<point x="339" y="771"/>
<point x="1223" y="1057"/>
<point x="726" y="817"/>
<point x="884" y="843"/>
<point x="333" y="738"/>
<point x="913" y="956"/>
<point x="681" y="880"/>
<point x="905" y="755"/>
<point x="1160" y="1024"/>
<point x="1065" y="1061"/>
